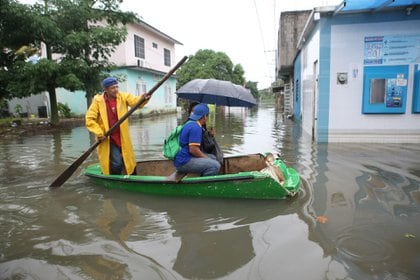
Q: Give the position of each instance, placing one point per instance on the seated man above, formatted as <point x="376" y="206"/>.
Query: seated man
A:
<point x="208" y="140"/>
<point x="191" y="158"/>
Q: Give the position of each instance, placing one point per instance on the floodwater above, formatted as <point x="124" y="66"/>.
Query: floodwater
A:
<point x="357" y="215"/>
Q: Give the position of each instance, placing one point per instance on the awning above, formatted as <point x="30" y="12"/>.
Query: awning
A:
<point x="373" y="5"/>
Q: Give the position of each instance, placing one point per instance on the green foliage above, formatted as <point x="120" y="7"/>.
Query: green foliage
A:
<point x="238" y="75"/>
<point x="74" y="30"/>
<point x="252" y="86"/>
<point x="266" y="94"/>
<point x="207" y="64"/>
<point x="64" y="110"/>
<point x="16" y="41"/>
<point x="15" y="22"/>
<point x="18" y="109"/>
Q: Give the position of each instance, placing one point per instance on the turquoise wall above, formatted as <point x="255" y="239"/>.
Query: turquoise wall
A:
<point x="159" y="101"/>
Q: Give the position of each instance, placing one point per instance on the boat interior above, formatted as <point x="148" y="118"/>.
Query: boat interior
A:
<point x="231" y="165"/>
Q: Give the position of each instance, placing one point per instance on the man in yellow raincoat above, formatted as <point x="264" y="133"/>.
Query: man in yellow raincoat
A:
<point x="116" y="154"/>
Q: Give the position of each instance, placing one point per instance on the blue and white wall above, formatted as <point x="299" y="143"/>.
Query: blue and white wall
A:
<point x="138" y="82"/>
<point x="337" y="48"/>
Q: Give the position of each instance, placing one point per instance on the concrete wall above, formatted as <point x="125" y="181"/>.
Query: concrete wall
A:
<point x="75" y="100"/>
<point x="29" y="104"/>
<point x="290" y="27"/>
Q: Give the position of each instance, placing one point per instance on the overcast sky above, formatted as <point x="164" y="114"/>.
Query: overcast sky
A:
<point x="246" y="30"/>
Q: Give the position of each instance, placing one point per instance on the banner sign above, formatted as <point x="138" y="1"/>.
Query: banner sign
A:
<point x="392" y="49"/>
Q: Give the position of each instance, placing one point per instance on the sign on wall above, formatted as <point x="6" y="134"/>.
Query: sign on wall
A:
<point x="392" y="49"/>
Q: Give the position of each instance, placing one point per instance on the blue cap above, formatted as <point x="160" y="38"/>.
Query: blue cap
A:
<point x="110" y="81"/>
<point x="199" y="111"/>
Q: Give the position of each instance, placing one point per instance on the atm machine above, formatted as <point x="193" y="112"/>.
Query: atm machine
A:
<point x="385" y="89"/>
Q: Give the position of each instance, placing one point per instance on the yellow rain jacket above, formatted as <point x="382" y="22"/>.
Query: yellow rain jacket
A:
<point x="97" y="123"/>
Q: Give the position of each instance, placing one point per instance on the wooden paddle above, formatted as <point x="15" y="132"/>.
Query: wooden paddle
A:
<point x="72" y="168"/>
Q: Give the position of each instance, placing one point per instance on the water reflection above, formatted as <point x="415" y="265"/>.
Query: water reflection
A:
<point x="367" y="195"/>
<point x="202" y="239"/>
<point x="362" y="195"/>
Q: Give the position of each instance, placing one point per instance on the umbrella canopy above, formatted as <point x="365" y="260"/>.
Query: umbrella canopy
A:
<point x="212" y="91"/>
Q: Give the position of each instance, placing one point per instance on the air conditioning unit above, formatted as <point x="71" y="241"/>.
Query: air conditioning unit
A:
<point x="140" y="63"/>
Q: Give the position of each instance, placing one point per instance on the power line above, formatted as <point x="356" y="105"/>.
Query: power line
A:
<point x="262" y="38"/>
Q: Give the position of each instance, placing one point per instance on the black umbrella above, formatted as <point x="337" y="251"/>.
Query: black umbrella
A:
<point x="212" y="91"/>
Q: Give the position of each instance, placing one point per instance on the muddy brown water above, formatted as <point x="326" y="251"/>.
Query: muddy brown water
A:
<point x="357" y="215"/>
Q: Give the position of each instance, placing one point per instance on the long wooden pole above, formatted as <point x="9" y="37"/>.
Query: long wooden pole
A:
<point x="72" y="168"/>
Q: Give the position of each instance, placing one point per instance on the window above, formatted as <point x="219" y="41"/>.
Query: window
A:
<point x="168" y="95"/>
<point x="157" y="78"/>
<point x="138" y="47"/>
<point x="167" y="57"/>
<point x="140" y="88"/>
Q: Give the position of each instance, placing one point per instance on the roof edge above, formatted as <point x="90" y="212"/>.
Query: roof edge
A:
<point x="155" y="30"/>
<point x="310" y="23"/>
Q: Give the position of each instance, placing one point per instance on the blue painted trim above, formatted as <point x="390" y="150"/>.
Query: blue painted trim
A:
<point x="383" y="16"/>
<point x="355" y="5"/>
<point x="416" y="90"/>
<point x="297" y="89"/>
<point x="324" y="81"/>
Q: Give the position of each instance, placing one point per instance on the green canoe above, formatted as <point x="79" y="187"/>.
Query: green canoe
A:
<point x="253" y="176"/>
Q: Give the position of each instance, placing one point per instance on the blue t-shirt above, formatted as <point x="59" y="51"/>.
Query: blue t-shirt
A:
<point x="190" y="134"/>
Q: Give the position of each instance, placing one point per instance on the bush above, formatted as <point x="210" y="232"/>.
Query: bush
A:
<point x="64" y="110"/>
<point x="18" y="109"/>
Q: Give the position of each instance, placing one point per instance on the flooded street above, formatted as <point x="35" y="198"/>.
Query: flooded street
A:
<point x="357" y="215"/>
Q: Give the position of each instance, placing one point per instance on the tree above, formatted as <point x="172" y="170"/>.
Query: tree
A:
<point x="208" y="64"/>
<point x="93" y="30"/>
<point x="81" y="33"/>
<point x="20" y="77"/>
<point x="252" y="86"/>
<point x="16" y="44"/>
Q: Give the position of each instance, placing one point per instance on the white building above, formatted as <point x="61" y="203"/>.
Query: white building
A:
<point x="356" y="73"/>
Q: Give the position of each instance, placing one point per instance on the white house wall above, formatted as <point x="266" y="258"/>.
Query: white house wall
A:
<point x="29" y="105"/>
<point x="154" y="57"/>
<point x="309" y="55"/>
<point x="346" y="121"/>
